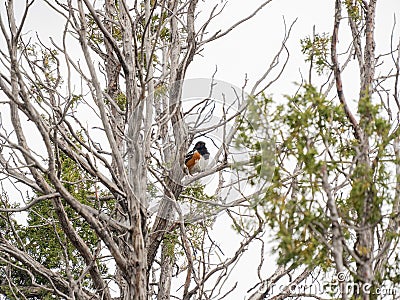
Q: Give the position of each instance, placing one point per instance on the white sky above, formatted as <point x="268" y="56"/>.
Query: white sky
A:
<point x="251" y="46"/>
<point x="249" y="50"/>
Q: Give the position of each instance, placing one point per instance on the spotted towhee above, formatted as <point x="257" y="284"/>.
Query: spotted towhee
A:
<point x="196" y="159"/>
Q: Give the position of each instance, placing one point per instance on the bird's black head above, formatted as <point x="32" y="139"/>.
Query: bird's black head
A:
<point x="199" y="145"/>
<point x="201" y="148"/>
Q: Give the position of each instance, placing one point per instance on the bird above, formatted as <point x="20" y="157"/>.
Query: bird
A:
<point x="196" y="160"/>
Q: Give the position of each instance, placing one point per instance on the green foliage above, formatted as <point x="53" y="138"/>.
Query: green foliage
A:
<point x="313" y="132"/>
<point x="171" y="239"/>
<point x="44" y="239"/>
<point x="297" y="224"/>
<point x="121" y="100"/>
<point x="371" y="121"/>
<point x="315" y="125"/>
<point x="316" y="49"/>
<point x="95" y="34"/>
<point x="196" y="198"/>
<point x="255" y="136"/>
<point x="309" y="125"/>
<point x="45" y="61"/>
<point x="354" y="8"/>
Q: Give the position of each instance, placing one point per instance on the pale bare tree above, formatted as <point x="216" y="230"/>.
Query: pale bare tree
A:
<point x="94" y="130"/>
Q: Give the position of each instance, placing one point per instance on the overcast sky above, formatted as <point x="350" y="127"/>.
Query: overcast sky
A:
<point x="249" y="50"/>
<point x="251" y="47"/>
